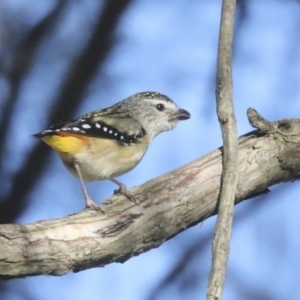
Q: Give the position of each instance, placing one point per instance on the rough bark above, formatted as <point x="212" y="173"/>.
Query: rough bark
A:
<point x="169" y="204"/>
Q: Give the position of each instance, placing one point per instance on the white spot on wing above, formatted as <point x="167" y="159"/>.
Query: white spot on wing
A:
<point x="104" y="129"/>
<point x="86" y="126"/>
<point x="75" y="128"/>
<point x="98" y="125"/>
<point x="110" y="132"/>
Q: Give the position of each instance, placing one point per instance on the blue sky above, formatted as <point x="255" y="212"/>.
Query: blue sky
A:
<point x="170" y="47"/>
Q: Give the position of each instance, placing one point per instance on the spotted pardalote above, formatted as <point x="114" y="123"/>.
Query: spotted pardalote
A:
<point x="109" y="142"/>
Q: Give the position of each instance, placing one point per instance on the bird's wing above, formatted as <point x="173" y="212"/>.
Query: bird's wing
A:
<point x="123" y="128"/>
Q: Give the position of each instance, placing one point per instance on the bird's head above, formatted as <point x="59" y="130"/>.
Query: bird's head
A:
<point x="155" y="112"/>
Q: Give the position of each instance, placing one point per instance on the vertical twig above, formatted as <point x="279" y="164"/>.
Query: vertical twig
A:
<point x="227" y="121"/>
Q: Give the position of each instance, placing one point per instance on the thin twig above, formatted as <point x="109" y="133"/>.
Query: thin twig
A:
<point x="227" y="121"/>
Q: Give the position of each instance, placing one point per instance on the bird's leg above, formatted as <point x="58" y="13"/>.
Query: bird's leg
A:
<point x="88" y="201"/>
<point x="123" y="190"/>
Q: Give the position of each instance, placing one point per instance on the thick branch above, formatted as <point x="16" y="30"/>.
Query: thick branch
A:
<point x="169" y="204"/>
<point x="225" y="109"/>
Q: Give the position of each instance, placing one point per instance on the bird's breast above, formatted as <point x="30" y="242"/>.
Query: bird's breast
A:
<point x="103" y="158"/>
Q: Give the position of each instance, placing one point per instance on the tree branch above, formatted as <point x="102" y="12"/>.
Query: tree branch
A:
<point x="225" y="110"/>
<point x="169" y="204"/>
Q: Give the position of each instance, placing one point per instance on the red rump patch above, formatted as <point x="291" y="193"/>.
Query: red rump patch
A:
<point x="69" y="134"/>
<point x="61" y="133"/>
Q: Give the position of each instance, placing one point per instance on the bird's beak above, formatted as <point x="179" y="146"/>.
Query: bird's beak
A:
<point x="182" y="114"/>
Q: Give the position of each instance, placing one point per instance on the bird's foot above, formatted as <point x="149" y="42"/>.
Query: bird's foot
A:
<point x="123" y="191"/>
<point x="89" y="203"/>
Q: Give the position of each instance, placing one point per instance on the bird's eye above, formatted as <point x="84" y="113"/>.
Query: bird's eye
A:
<point x="160" y="107"/>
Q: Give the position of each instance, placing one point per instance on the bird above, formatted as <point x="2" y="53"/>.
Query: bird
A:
<point x="106" y="143"/>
